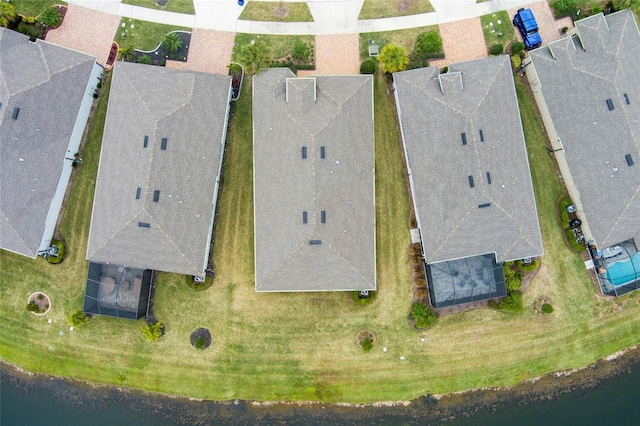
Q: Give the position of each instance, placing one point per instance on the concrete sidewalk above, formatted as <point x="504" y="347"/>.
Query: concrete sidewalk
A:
<point x="330" y="16"/>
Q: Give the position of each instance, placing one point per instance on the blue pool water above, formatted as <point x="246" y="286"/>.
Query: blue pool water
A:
<point x="619" y="273"/>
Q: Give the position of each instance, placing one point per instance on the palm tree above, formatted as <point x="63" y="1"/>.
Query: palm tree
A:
<point x="7" y="14"/>
<point x="172" y="42"/>
<point x="255" y="56"/>
<point x="393" y="58"/>
<point x="126" y="53"/>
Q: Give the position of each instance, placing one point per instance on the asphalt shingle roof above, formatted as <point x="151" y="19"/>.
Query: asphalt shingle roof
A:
<point x="189" y="109"/>
<point x="435" y="110"/>
<point x="331" y="113"/>
<point x="577" y="76"/>
<point x="47" y="83"/>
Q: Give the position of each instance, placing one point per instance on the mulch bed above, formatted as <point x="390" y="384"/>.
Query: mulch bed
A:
<point x="43" y="302"/>
<point x="160" y="55"/>
<point x="363" y="334"/>
<point x="198" y="333"/>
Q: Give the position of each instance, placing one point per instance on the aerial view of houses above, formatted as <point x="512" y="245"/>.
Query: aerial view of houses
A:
<point x="469" y="173"/>
<point x="280" y="199"/>
<point x="46" y="93"/>
<point x="313" y="182"/>
<point x="595" y="136"/>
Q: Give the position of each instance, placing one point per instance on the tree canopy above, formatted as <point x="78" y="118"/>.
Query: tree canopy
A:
<point x="393" y="58"/>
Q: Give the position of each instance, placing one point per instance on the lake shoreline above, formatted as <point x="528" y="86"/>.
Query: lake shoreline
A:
<point x="436" y="408"/>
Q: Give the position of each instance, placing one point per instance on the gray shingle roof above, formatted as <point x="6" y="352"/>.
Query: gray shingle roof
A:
<point x="290" y="115"/>
<point x="189" y="109"/>
<point x="576" y="84"/>
<point x="47" y="83"/>
<point x="435" y="109"/>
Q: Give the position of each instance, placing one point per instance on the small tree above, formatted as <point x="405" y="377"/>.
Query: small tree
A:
<point x="78" y="318"/>
<point x="516" y="47"/>
<point x="429" y="42"/>
<point x="422" y="315"/>
<point x="547" y="308"/>
<point x="144" y="59"/>
<point x="300" y="51"/>
<point x="32" y="306"/>
<point x="127" y="53"/>
<point x="50" y="17"/>
<point x="172" y="42"/>
<point x="367" y="344"/>
<point x="7" y="14"/>
<point x="153" y="332"/>
<point x="255" y="56"/>
<point x="393" y="58"/>
<point x="496" y="49"/>
<point x="368" y="67"/>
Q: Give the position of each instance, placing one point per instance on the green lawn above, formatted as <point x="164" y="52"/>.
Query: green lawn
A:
<point x="280" y="46"/>
<point x="144" y="35"/>
<point x="497" y="29"/>
<point x="373" y="9"/>
<point x="300" y="346"/>
<point x="180" y="6"/>
<point x="33" y="7"/>
<point x="279" y="12"/>
<point x="405" y="38"/>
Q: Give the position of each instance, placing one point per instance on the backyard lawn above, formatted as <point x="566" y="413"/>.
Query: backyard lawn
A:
<point x="144" y="35"/>
<point x="279" y="12"/>
<point x="373" y="9"/>
<point x="179" y="6"/>
<point x="300" y="346"/>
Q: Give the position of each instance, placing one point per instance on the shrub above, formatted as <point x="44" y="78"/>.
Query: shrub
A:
<point x="368" y="67"/>
<point x="496" y="49"/>
<point x="421" y="293"/>
<point x="152" y="332"/>
<point x="512" y="279"/>
<point x="527" y="267"/>
<point x="564" y="215"/>
<point x="516" y="47"/>
<point x="516" y="61"/>
<point x="512" y="303"/>
<point x="429" y="42"/>
<point x="300" y="51"/>
<point x="33" y="307"/>
<point x="40" y="296"/>
<point x="50" y="17"/>
<point x="393" y="58"/>
<point x="30" y="20"/>
<point x="255" y="56"/>
<point x="422" y="315"/>
<point x="564" y="7"/>
<point x="547" y="308"/>
<point x="144" y="59"/>
<point x="624" y="4"/>
<point x="201" y="342"/>
<point x="78" y="318"/>
<point x="172" y="42"/>
<point x="445" y="70"/>
<point x="367" y="344"/>
<point x="26" y="29"/>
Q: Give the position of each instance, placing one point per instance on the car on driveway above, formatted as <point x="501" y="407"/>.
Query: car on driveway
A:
<point x="526" y="23"/>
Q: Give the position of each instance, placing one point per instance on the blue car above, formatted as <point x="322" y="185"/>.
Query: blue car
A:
<point x="526" y="23"/>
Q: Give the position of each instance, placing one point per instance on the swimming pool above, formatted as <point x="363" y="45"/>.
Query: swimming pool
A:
<point x="626" y="271"/>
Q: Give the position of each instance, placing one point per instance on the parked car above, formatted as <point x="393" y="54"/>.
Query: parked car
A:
<point x="526" y="23"/>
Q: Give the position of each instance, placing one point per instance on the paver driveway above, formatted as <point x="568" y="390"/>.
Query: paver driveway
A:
<point x="461" y="41"/>
<point x="336" y="55"/>
<point x="86" y="30"/>
<point x="548" y="27"/>
<point x="210" y="51"/>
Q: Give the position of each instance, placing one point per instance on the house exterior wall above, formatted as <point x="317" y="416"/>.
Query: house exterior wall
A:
<point x="74" y="145"/>
<point x="558" y="149"/>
